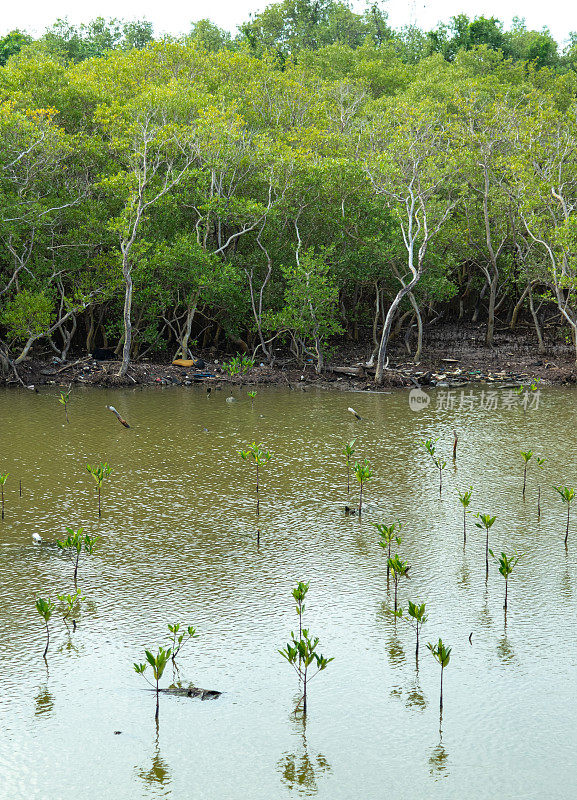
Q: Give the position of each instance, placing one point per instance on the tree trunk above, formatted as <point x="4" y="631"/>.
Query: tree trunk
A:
<point x="381" y="358"/>
<point x="127" y="316"/>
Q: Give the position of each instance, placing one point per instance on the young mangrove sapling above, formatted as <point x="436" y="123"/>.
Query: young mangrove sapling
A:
<point x="301" y="654"/>
<point x="567" y="495"/>
<point x="179" y="640"/>
<point x="400" y="569"/>
<point x="363" y="474"/>
<point x="486" y="522"/>
<point x="388" y="534"/>
<point x="299" y="593"/>
<point x="526" y="456"/>
<point x="45" y="609"/>
<point x="442" y="655"/>
<point x="70" y="603"/>
<point x="259" y="457"/>
<point x="99" y="472"/>
<point x="465" y="501"/>
<point x="540" y="464"/>
<point x="506" y="565"/>
<point x="418" y="617"/>
<point x="77" y="540"/>
<point x="158" y="663"/>
<point x="348" y="452"/>
<point x="440" y="464"/>
<point x="252" y="395"/>
<point x="3" y="479"/>
<point x="64" y="399"/>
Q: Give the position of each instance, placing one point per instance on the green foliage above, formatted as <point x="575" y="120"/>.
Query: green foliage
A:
<point x="301" y="654"/>
<point x="45" y="608"/>
<point x="27" y="314"/>
<point x="238" y="365"/>
<point x="178" y="640"/>
<point x="99" y="472"/>
<point x="441" y="653"/>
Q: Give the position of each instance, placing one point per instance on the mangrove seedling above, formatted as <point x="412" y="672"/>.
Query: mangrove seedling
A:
<point x="301" y="654"/>
<point x="348" y="452"/>
<point x="299" y="593"/>
<point x="99" y="473"/>
<point x="567" y="495"/>
<point x="45" y="609"/>
<point x="64" y="400"/>
<point x="442" y="655"/>
<point x="440" y="464"/>
<point x="486" y="522"/>
<point x="400" y="569"/>
<point x="259" y="457"/>
<point x="506" y="565"/>
<point x="465" y="501"/>
<point x="363" y="474"/>
<point x="179" y="640"/>
<point x="77" y="540"/>
<point x="388" y="534"/>
<point x="540" y="464"/>
<point x="158" y="663"/>
<point x="252" y="395"/>
<point x="526" y="456"/>
<point x="3" y="479"/>
<point x="418" y="617"/>
<point x="70" y="603"/>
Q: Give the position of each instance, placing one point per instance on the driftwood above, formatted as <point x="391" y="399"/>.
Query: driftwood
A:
<point x="356" y="372"/>
<point x="191" y="691"/>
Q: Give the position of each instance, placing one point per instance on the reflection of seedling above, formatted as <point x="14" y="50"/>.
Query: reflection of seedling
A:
<point x="63" y="400"/>
<point x="364" y="474"/>
<point x="348" y="452"/>
<point x="399" y="568"/>
<point x="388" y="536"/>
<point x="77" y="540"/>
<point x="442" y="654"/>
<point x="526" y="456"/>
<point x="506" y="565"/>
<point x="486" y="522"/>
<point x="429" y="445"/>
<point x="99" y="473"/>
<point x="418" y="619"/>
<point x="567" y="495"/>
<point x="465" y="501"/>
<point x="3" y="479"/>
<point x="158" y="663"/>
<point x="45" y="609"/>
<point x="301" y="654"/>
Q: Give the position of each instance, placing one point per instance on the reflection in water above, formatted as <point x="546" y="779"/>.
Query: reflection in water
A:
<point x="464" y="574"/>
<point x="158" y="776"/>
<point x="439" y="758"/>
<point x="302" y="769"/>
<point x="439" y="761"/>
<point x="395" y="649"/>
<point x="415" y="698"/>
<point x="505" y="650"/>
<point x="485" y="617"/>
<point x="43" y="702"/>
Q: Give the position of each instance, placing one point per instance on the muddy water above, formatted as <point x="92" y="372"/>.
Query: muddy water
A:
<point x="178" y="544"/>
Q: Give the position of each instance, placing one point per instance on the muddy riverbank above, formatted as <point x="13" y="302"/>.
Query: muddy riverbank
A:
<point x="453" y="354"/>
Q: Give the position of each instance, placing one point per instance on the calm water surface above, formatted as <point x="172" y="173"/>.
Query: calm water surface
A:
<point x="178" y="544"/>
